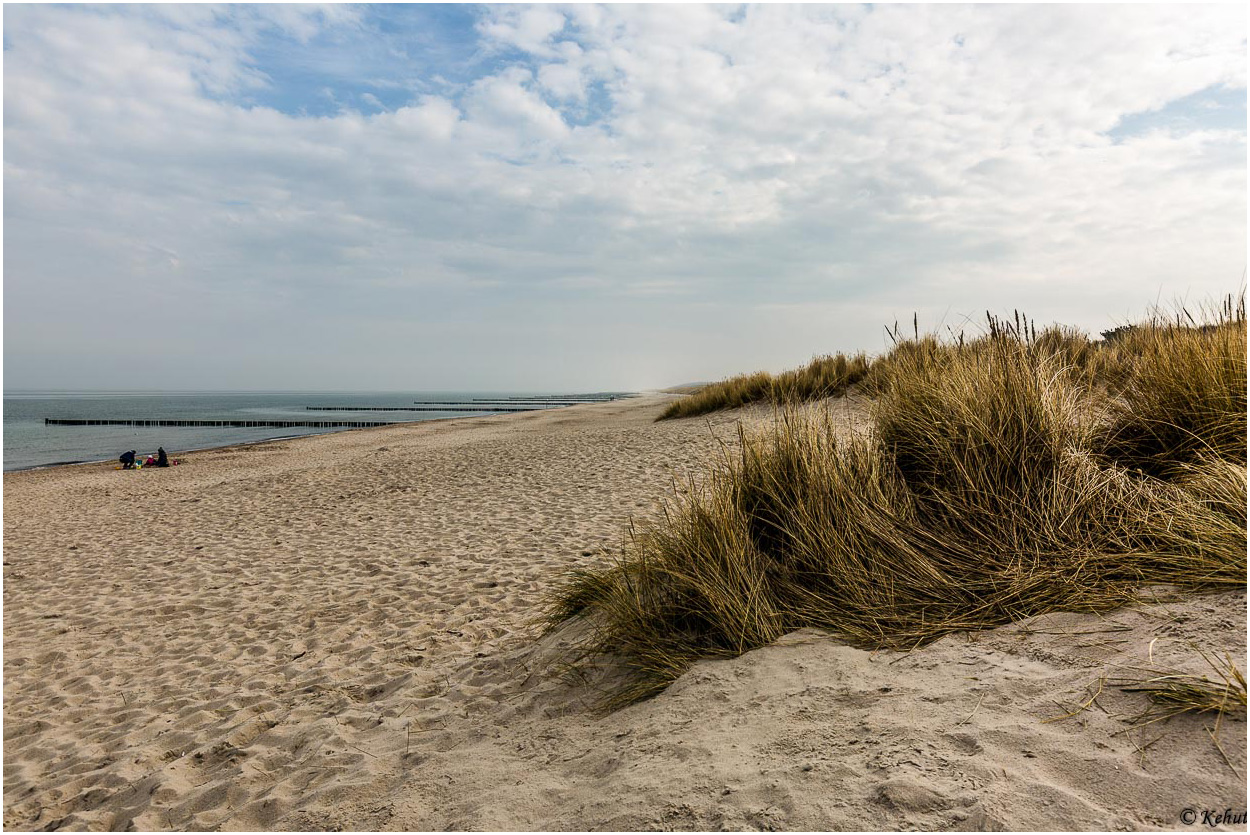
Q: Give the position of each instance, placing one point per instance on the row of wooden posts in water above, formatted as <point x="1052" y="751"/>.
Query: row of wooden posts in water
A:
<point x="234" y="423"/>
<point x="509" y="404"/>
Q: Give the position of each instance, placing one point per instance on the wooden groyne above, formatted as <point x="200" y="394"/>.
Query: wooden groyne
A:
<point x="543" y="402"/>
<point x="607" y="398"/>
<point x="510" y="401"/>
<point x="535" y="404"/>
<point x="241" y="424"/>
<point x="517" y="401"/>
<point x="424" y="408"/>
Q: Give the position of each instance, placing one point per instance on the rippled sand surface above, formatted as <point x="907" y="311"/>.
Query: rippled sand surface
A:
<point x="335" y="632"/>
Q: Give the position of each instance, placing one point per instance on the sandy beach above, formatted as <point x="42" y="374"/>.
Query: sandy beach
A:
<point x="336" y="632"/>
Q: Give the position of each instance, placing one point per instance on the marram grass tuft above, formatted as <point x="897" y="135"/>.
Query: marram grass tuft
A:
<point x="1003" y="477"/>
<point x="826" y="376"/>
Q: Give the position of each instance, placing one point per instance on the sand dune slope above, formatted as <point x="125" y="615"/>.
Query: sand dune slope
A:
<point x="333" y="632"/>
<point x="810" y="734"/>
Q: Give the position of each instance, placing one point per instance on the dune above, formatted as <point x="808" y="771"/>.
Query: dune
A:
<point x="337" y="632"/>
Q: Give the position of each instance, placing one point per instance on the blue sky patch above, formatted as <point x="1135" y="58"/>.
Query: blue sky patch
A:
<point x="1213" y="108"/>
<point x="396" y="54"/>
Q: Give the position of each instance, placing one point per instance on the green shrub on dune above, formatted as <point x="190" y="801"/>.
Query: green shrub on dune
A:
<point x="1002" y="478"/>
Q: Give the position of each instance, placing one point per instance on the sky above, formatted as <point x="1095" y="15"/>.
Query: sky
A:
<point x="581" y="198"/>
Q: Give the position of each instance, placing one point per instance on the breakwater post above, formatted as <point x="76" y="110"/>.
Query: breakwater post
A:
<point x="242" y="424"/>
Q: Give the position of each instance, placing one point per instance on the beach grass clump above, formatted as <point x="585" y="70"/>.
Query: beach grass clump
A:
<point x="985" y="491"/>
<point x="1173" y="693"/>
<point x="1183" y="398"/>
<point x="985" y="430"/>
<point x="1176" y="693"/>
<point x="825" y="376"/>
<point x="732" y="393"/>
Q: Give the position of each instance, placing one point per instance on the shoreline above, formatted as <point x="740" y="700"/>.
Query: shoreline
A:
<point x="217" y="445"/>
<point x="337" y="631"/>
<point x="190" y="450"/>
<point x="214" y="447"/>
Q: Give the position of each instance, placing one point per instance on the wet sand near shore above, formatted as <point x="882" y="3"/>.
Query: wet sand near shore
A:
<point x="336" y="632"/>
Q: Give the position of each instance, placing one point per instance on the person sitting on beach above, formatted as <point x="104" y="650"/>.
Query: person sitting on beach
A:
<point x="127" y="459"/>
<point x="162" y="460"/>
<point x="149" y="461"/>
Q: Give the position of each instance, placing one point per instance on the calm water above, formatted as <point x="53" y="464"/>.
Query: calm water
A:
<point x="29" y="443"/>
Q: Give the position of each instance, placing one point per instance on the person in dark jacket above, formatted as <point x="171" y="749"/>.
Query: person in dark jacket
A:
<point x="162" y="460"/>
<point x="127" y="459"/>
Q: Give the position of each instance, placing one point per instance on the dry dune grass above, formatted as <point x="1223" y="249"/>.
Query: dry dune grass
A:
<point x="1183" y="396"/>
<point x="1173" y="692"/>
<point x="823" y="377"/>
<point x="1003" y="477"/>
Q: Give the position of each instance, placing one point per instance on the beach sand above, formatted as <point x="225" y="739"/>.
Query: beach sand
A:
<point x="335" y="632"/>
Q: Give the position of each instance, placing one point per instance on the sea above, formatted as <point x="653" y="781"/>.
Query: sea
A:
<point x="30" y="443"/>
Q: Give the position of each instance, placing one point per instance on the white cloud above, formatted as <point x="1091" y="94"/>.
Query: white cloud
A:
<point x="529" y="28"/>
<point x="642" y="159"/>
<point x="434" y="118"/>
<point x="509" y="113"/>
<point x="564" y="81"/>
